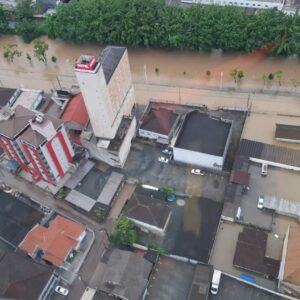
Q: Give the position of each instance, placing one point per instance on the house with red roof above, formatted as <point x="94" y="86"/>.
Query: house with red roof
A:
<point x="55" y="242"/>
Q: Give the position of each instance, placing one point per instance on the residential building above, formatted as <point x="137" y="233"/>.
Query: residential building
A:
<point x="122" y="274"/>
<point x="158" y="123"/>
<point x="149" y="211"/>
<point x="256" y="4"/>
<point x="38" y="142"/>
<point x="54" y="243"/>
<point x="23" y="278"/>
<point x="107" y="90"/>
<point x="203" y="140"/>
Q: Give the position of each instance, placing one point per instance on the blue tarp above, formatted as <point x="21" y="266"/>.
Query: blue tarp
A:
<point x="248" y="278"/>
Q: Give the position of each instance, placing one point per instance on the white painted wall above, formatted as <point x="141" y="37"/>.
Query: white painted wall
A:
<point x="96" y="97"/>
<point x="240" y="3"/>
<point x="50" y="162"/>
<point x="197" y="158"/>
<point x="126" y="145"/>
<point x="67" y="140"/>
<point x="151" y="135"/>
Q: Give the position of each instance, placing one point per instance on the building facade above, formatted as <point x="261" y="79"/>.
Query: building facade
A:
<point x="203" y="140"/>
<point x="241" y="3"/>
<point x="108" y="93"/>
<point x="38" y="143"/>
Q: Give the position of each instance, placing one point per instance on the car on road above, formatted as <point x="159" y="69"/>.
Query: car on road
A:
<point x="61" y="290"/>
<point x="197" y="172"/>
<point x="163" y="159"/>
<point x="260" y="203"/>
<point x="167" y="151"/>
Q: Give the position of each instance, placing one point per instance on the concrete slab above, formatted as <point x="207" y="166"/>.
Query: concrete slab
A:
<point x="232" y="289"/>
<point x="267" y="125"/>
<point x="79" y="174"/>
<point x="224" y="249"/>
<point x="80" y="200"/>
<point x="171" y="280"/>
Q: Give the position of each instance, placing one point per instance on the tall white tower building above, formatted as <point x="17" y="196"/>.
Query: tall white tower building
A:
<point x="107" y="89"/>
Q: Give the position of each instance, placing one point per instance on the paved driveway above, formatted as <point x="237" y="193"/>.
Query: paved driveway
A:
<point x="142" y="165"/>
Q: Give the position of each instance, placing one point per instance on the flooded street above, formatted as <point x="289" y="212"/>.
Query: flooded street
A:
<point x="172" y="68"/>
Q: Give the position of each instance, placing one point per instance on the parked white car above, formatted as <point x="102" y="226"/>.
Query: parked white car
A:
<point x="163" y="160"/>
<point x="260" y="203"/>
<point x="61" y="290"/>
<point x="167" y="151"/>
<point x="197" y="172"/>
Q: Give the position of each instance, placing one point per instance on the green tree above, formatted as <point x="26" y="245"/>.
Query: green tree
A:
<point x="237" y="75"/>
<point x="3" y="20"/>
<point x="24" y="10"/>
<point x="29" y="30"/>
<point x="152" y="23"/>
<point x="278" y="75"/>
<point x="167" y="190"/>
<point x="124" y="232"/>
<point x="39" y="49"/>
<point x="10" y="52"/>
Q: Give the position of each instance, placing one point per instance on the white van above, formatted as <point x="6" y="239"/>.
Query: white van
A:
<point x="264" y="170"/>
<point x="215" y="282"/>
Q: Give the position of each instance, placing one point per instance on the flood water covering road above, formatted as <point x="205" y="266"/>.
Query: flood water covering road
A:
<point x="185" y="68"/>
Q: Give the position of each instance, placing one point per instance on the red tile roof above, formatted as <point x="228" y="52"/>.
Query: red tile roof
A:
<point x="76" y="111"/>
<point x="56" y="241"/>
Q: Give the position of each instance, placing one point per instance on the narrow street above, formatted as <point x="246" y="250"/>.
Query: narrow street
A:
<point x="44" y="198"/>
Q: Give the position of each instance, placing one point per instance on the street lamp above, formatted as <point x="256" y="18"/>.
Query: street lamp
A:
<point x="145" y="72"/>
<point x="221" y="80"/>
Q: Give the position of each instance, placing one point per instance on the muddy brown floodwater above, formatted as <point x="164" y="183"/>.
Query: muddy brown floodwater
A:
<point x="172" y="68"/>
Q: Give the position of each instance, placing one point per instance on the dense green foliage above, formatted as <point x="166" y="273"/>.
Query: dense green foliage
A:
<point x="151" y="23"/>
<point x="3" y="21"/>
<point x="124" y="232"/>
<point x="29" y="30"/>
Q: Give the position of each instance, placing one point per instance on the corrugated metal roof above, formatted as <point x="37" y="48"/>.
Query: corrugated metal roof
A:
<point x="111" y="187"/>
<point x="80" y="200"/>
<point x="270" y="153"/>
<point x="290" y="132"/>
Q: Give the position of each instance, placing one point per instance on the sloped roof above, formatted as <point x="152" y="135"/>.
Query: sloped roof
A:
<point x="122" y="273"/>
<point x="292" y="262"/>
<point x="33" y="137"/>
<point x="5" y="95"/>
<point x="22" y="278"/>
<point x="289" y="132"/>
<point x="268" y="152"/>
<point x="76" y="111"/>
<point x="56" y="241"/>
<point x="159" y="120"/>
<point x="17" y="123"/>
<point x="145" y="207"/>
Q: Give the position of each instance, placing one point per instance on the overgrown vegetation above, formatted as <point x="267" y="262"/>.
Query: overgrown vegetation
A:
<point x="10" y="52"/>
<point x="124" y="232"/>
<point x="151" y="23"/>
<point x="39" y="49"/>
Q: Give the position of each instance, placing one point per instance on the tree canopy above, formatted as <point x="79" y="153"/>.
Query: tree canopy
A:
<point x="4" y="28"/>
<point x="152" y="23"/>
